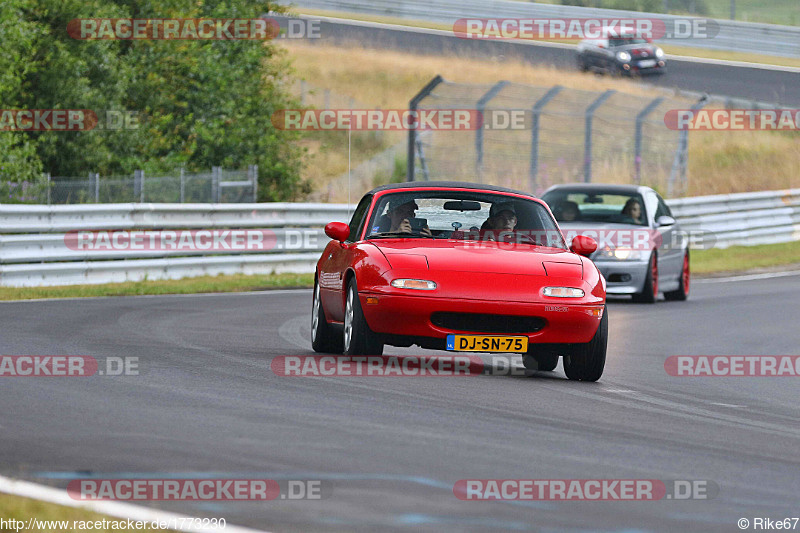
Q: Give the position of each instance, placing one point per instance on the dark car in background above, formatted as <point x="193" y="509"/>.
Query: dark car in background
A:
<point x="621" y="55"/>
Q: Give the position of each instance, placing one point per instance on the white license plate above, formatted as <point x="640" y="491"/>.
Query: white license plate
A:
<point x="647" y="63"/>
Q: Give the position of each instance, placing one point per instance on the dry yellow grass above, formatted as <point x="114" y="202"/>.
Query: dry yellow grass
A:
<point x="742" y="161"/>
<point x="388" y="79"/>
<point x="719" y="162"/>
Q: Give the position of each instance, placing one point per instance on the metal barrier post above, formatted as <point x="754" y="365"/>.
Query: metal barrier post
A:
<point x="96" y="187"/>
<point x="183" y="185"/>
<point x="537" y="111"/>
<point x="481" y="106"/>
<point x="49" y="187"/>
<point x="138" y="185"/>
<point x="253" y="169"/>
<point x="215" y="179"/>
<point x="412" y="133"/>
<point x="637" y="161"/>
<point x="680" y="162"/>
<point x="587" y="140"/>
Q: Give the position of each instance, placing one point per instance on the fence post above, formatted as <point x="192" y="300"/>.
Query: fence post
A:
<point x="537" y="111"/>
<point x="183" y="185"/>
<point x="138" y="185"/>
<point x="97" y="187"/>
<point x="49" y="187"/>
<point x="412" y="133"/>
<point x="480" y="107"/>
<point x="253" y="170"/>
<point x="680" y="162"/>
<point x="587" y="140"/>
<point x="637" y="161"/>
<point x="422" y="161"/>
<point x="215" y="179"/>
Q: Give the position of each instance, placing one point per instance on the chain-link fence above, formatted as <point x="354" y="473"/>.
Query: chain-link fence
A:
<point x="218" y="185"/>
<point x="533" y="137"/>
<point x="378" y="156"/>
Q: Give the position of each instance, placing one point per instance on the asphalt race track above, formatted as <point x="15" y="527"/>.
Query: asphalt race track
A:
<point x="759" y="84"/>
<point x="207" y="403"/>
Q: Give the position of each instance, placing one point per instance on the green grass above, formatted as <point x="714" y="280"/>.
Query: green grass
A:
<point x="233" y="283"/>
<point x="18" y="508"/>
<point x="740" y="258"/>
<point x="768" y="11"/>
<point x="785" y="12"/>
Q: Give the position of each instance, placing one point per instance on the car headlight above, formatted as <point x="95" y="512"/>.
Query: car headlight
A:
<point x="623" y="56"/>
<point x="659" y="53"/>
<point x="418" y="284"/>
<point x="619" y="254"/>
<point x="563" y="292"/>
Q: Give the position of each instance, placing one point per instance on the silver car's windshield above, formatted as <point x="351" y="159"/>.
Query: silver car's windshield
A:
<point x="597" y="206"/>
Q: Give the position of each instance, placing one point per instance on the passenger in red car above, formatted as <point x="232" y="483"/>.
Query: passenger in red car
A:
<point x="502" y="218"/>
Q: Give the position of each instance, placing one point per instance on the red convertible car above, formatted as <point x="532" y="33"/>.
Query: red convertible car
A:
<point x="460" y="267"/>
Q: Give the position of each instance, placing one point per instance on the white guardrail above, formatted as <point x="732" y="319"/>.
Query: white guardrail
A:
<point x="38" y="244"/>
<point x="769" y="39"/>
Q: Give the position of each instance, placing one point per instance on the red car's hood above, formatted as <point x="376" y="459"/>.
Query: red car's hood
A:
<point x="472" y="256"/>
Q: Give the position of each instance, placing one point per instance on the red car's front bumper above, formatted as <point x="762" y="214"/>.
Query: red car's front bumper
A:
<point x="410" y="316"/>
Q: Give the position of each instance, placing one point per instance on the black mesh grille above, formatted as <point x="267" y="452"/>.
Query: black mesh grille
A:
<point x="483" y="323"/>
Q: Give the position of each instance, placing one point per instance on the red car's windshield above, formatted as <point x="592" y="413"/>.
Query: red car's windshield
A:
<point x="463" y="215"/>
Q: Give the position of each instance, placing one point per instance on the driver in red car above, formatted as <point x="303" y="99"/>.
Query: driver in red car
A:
<point x="401" y="211"/>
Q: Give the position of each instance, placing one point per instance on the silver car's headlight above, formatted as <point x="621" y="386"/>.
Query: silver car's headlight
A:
<point x="619" y="254"/>
<point x="623" y="56"/>
<point x="659" y="53"/>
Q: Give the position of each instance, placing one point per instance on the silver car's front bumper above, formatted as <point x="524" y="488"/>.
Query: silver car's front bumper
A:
<point x="623" y="277"/>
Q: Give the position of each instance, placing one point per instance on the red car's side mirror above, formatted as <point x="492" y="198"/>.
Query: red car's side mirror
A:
<point x="339" y="231"/>
<point x="583" y="245"/>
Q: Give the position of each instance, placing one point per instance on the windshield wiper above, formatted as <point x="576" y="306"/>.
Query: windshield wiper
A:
<point x="388" y="234"/>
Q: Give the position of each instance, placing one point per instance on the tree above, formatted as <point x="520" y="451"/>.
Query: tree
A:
<point x="200" y="102"/>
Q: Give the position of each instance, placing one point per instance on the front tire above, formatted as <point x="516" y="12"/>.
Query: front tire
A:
<point x="649" y="293"/>
<point x="587" y="361"/>
<point x="682" y="292"/>
<point x="357" y="338"/>
<point x="323" y="336"/>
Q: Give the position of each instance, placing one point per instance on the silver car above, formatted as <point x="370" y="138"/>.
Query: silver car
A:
<point x="641" y="251"/>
